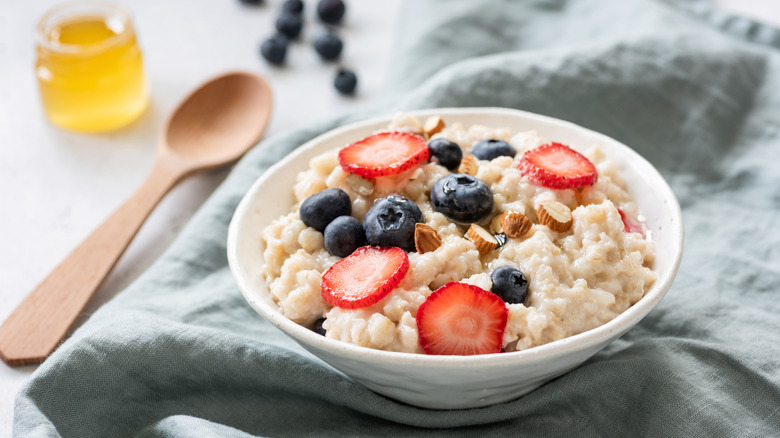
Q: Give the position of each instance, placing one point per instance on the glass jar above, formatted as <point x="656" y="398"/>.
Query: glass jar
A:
<point x="89" y="67"/>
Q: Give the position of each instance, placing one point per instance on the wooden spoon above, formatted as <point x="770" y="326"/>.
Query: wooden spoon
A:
<point x="215" y="125"/>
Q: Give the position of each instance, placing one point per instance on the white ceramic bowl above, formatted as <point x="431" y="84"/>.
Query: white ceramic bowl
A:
<point x="453" y="382"/>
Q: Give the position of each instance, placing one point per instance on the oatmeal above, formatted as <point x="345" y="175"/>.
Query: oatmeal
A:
<point x="577" y="269"/>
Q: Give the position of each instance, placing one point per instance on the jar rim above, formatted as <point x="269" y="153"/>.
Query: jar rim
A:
<point x="98" y="8"/>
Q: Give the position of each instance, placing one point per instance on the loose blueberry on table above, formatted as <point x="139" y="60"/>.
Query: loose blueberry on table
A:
<point x="331" y="11"/>
<point x="328" y="46"/>
<point x="293" y="6"/>
<point x="345" y="82"/>
<point x="274" y="49"/>
<point x="289" y="24"/>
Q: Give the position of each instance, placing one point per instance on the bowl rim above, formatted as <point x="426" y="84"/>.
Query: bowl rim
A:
<point x="581" y="341"/>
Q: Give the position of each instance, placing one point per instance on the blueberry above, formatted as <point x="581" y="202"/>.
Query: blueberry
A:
<point x="509" y="284"/>
<point x="293" y="6"/>
<point x="274" y="49"/>
<point x="344" y="235"/>
<point x="445" y="152"/>
<point x="318" y="327"/>
<point x="331" y="11"/>
<point x="328" y="46"/>
<point x="462" y="198"/>
<point x="318" y="210"/>
<point x="289" y="24"/>
<point x="390" y="222"/>
<point x="492" y="148"/>
<point x="345" y="82"/>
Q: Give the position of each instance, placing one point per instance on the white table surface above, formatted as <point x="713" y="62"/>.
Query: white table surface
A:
<point x="56" y="186"/>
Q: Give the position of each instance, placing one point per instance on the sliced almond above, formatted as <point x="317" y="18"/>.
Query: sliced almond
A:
<point x="426" y="239"/>
<point x="468" y="165"/>
<point x="483" y="240"/>
<point x="433" y="125"/>
<point x="515" y="224"/>
<point x="554" y="215"/>
<point x="411" y="124"/>
<point x="495" y="224"/>
<point x="360" y="185"/>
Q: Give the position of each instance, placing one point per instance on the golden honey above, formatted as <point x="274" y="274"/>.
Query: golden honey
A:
<point x="89" y="67"/>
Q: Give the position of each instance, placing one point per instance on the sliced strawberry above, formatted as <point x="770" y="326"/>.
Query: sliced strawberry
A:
<point x="364" y="277"/>
<point x="629" y="226"/>
<point x="557" y="166"/>
<point x="461" y="319"/>
<point x="385" y="153"/>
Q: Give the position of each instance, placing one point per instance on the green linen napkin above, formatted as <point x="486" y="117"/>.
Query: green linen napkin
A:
<point x="697" y="92"/>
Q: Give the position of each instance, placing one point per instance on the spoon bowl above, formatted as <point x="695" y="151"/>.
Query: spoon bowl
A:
<point x="219" y="121"/>
<point x="213" y="126"/>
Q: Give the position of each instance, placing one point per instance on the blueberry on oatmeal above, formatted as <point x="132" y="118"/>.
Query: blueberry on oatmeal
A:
<point x="509" y="284"/>
<point x="318" y="210"/>
<point x="390" y="222"/>
<point x="445" y="152"/>
<point x="462" y="198"/>
<point x="318" y="328"/>
<point x="344" y="235"/>
<point x="492" y="148"/>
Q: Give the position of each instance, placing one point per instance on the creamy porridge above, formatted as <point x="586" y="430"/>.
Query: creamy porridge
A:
<point x="579" y="275"/>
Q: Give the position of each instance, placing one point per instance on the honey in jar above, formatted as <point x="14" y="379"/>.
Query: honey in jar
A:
<point x="89" y="67"/>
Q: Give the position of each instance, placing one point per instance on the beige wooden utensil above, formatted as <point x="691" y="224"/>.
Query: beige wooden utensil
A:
<point x="213" y="126"/>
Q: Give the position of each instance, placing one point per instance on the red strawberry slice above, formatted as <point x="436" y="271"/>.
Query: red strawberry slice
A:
<point x="364" y="277"/>
<point x="385" y="153"/>
<point x="461" y="319"/>
<point x="629" y="226"/>
<point x="557" y="166"/>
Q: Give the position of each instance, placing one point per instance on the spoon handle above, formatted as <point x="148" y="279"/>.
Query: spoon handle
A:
<point x="40" y="322"/>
